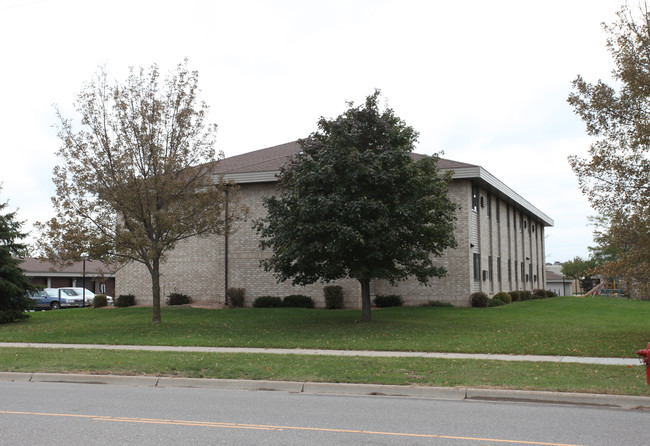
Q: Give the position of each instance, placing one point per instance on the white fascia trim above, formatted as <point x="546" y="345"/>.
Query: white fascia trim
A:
<point x="477" y="172"/>
<point x="72" y="274"/>
<point x="252" y="177"/>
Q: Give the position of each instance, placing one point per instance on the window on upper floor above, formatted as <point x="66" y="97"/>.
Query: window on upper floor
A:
<point x="474" y="197"/>
<point x="489" y="206"/>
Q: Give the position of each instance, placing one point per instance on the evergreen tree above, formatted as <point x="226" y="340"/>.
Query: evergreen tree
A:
<point x="14" y="285"/>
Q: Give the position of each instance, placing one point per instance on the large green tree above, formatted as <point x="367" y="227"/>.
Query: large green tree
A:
<point x="14" y="285"/>
<point x="134" y="177"/>
<point x="579" y="269"/>
<point x="356" y="204"/>
<point x="615" y="175"/>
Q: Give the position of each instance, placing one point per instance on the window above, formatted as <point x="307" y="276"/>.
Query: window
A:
<point x="507" y="215"/>
<point x="489" y="206"/>
<point x="490" y="269"/>
<point x="496" y="202"/>
<point x="477" y="267"/>
<point x="521" y="222"/>
<point x="530" y="271"/>
<point x="509" y="270"/>
<point x="474" y="198"/>
<point x="523" y="270"/>
<point x="499" y="267"/>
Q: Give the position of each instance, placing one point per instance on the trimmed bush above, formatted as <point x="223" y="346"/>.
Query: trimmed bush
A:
<point x="298" y="301"/>
<point x="503" y="297"/>
<point x="437" y="303"/>
<point x="516" y="296"/>
<point x="236" y="297"/>
<point x="479" y="299"/>
<point x="333" y="297"/>
<point x="526" y="295"/>
<point x="125" y="300"/>
<point x="550" y="293"/>
<point x="495" y="302"/>
<point x="178" y="299"/>
<point x="267" y="302"/>
<point x="100" y="300"/>
<point x="539" y="294"/>
<point x="388" y="300"/>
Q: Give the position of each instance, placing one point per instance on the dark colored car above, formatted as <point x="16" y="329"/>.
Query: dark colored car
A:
<point x="44" y="301"/>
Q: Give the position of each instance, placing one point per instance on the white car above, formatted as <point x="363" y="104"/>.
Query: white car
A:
<point x="89" y="295"/>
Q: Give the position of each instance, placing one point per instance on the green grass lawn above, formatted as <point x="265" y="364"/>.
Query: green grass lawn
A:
<point x="547" y="376"/>
<point x="559" y="326"/>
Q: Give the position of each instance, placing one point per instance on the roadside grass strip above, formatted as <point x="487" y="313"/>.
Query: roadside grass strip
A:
<point x="545" y="376"/>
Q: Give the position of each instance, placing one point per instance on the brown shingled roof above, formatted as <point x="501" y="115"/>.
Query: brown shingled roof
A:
<point x="35" y="265"/>
<point x="272" y="159"/>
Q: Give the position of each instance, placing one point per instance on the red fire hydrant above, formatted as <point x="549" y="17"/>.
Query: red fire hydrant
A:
<point x="645" y="353"/>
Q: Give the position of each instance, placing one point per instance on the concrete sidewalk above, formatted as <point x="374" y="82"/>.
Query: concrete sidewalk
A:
<point x="319" y="352"/>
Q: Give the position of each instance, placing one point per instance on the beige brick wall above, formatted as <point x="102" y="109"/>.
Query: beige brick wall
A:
<point x="196" y="266"/>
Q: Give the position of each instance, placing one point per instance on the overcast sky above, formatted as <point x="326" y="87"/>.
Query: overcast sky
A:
<point x="484" y="81"/>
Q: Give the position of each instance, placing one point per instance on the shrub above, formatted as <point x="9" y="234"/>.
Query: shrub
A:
<point x="333" y="297"/>
<point x="495" y="302"/>
<point x="479" y="299"/>
<point x="125" y="300"/>
<point x="516" y="296"/>
<point x="526" y="295"/>
<point x="550" y="293"/>
<point x="100" y="300"/>
<point x="178" y="299"/>
<point x="236" y="297"/>
<point x="437" y="303"/>
<point x="389" y="300"/>
<point x="267" y="302"/>
<point x="539" y="294"/>
<point x="503" y="297"/>
<point x="298" y="301"/>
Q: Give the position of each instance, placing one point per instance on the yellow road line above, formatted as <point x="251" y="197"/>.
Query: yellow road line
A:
<point x="274" y="428"/>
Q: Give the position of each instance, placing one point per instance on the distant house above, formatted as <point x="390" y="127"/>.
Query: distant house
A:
<point x="559" y="284"/>
<point x="556" y="267"/>
<point x="500" y="238"/>
<point x="99" y="277"/>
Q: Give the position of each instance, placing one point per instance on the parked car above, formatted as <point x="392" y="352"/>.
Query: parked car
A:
<point x="89" y="295"/>
<point x="58" y="299"/>
<point x="44" y="301"/>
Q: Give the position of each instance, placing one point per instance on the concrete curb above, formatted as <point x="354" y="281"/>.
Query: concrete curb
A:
<point x="148" y="381"/>
<point x="231" y="384"/>
<point x="587" y="399"/>
<point x="440" y="393"/>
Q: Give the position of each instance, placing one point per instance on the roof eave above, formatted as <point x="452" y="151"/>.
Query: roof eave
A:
<point x="492" y="182"/>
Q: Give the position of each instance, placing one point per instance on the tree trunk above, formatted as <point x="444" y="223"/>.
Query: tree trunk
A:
<point x="155" y="288"/>
<point x="365" y="300"/>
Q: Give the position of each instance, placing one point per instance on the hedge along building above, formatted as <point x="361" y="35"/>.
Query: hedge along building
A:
<point x="500" y="240"/>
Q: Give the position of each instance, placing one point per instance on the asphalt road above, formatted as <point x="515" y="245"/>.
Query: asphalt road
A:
<point x="39" y="413"/>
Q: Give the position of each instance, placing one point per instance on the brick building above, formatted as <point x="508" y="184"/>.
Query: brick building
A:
<point x="500" y="240"/>
<point x="99" y="277"/>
